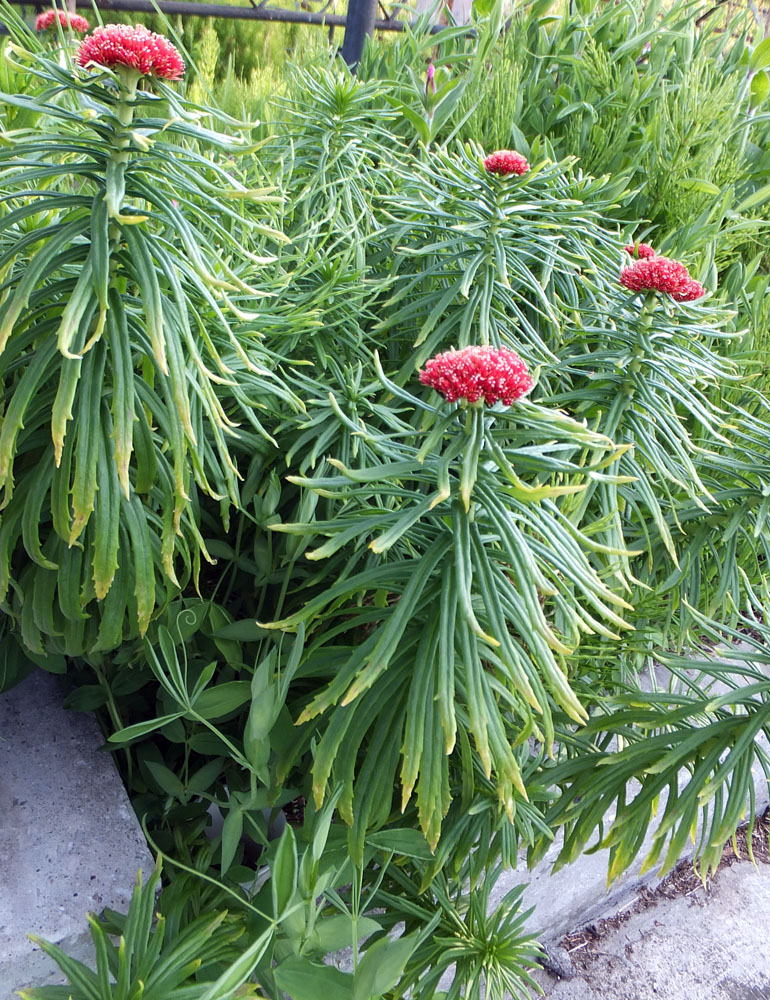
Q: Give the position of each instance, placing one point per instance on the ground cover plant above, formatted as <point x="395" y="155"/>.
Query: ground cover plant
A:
<point x="372" y="469"/>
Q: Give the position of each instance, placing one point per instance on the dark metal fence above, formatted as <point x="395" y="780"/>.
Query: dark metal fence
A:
<point x="361" y="18"/>
<point x="256" y="12"/>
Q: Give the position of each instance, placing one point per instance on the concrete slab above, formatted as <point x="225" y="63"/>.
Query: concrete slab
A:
<point x="704" y="946"/>
<point x="69" y="841"/>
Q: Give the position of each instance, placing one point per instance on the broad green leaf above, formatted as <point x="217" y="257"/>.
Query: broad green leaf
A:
<point x="336" y="933"/>
<point x="382" y="966"/>
<point x="222" y="699"/>
<point x="166" y="778"/>
<point x="243" y="631"/>
<point x="302" y="979"/>
<point x="283" y="870"/>
<point x="232" y="830"/>
<point x="86" y="698"/>
<point x="760" y="87"/>
<point x="760" y="57"/>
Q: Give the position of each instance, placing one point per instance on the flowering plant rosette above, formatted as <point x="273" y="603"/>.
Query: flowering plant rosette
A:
<point x="122" y="272"/>
<point x="463" y="459"/>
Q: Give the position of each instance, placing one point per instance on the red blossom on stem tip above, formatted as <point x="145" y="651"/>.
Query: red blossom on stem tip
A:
<point x="66" y="19"/>
<point x="506" y="161"/>
<point x="659" y="274"/>
<point x="492" y="373"/>
<point x="133" y="46"/>
<point x="640" y="251"/>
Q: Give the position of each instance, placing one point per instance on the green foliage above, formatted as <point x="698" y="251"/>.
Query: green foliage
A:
<point x="489" y="948"/>
<point x="146" y="964"/>
<point x="653" y="94"/>
<point x="115" y="327"/>
<point x="424" y="631"/>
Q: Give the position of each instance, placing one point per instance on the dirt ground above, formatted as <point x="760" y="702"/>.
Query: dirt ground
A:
<point x="681" y="940"/>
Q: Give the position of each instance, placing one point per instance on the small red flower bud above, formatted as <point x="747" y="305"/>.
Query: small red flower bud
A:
<point x="66" y="19"/>
<point x="640" y="251"/>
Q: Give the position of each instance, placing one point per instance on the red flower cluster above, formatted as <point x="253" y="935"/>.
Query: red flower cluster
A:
<point x="506" y="161"/>
<point x="46" y="20"/>
<point x="640" y="251"/>
<point x="660" y="274"/>
<point x="494" y="373"/>
<point x="133" y="46"/>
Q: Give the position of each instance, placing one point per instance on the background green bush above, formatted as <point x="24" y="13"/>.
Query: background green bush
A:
<point x="418" y="632"/>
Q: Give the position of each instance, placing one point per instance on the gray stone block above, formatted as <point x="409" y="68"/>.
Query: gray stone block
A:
<point x="69" y="841"/>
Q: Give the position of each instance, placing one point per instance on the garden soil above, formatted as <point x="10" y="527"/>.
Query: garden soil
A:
<point x="680" y="941"/>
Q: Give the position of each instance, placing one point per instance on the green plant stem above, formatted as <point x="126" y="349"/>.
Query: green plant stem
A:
<point x="285" y="587"/>
<point x="115" y="716"/>
<point x="118" y="160"/>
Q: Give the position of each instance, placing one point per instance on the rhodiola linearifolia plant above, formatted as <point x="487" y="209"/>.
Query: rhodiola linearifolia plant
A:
<point x="459" y="595"/>
<point x="648" y="370"/>
<point x="633" y="347"/>
<point x="451" y="551"/>
<point x="123" y="380"/>
<point x="470" y="588"/>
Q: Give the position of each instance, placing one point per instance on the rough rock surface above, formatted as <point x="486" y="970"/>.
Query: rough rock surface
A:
<point x="69" y="841"/>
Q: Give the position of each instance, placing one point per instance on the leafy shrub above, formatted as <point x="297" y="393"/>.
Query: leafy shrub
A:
<point x="116" y="326"/>
<point x="427" y="618"/>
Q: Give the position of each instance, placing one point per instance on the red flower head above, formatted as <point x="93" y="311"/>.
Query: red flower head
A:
<point x="494" y="373"/>
<point x="640" y="251"/>
<point x="133" y="46"/>
<point x="660" y="274"/>
<point x="46" y="20"/>
<point x="506" y="161"/>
